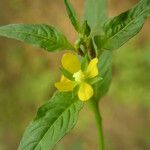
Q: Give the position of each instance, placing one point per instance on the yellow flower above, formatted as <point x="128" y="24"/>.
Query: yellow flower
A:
<point x="71" y="63"/>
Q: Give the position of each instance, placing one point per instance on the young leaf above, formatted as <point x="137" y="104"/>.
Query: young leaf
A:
<point x="123" y="27"/>
<point x="86" y="30"/>
<point x="105" y="70"/>
<point x="53" y="121"/>
<point x="95" y="13"/>
<point x="42" y="36"/>
<point x="72" y="15"/>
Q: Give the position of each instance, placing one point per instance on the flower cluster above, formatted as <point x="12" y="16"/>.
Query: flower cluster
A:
<point x="80" y="77"/>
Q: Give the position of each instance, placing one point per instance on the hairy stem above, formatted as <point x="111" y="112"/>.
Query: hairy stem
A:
<point x="98" y="119"/>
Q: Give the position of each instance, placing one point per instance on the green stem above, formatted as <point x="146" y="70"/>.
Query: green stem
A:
<point x="98" y="119"/>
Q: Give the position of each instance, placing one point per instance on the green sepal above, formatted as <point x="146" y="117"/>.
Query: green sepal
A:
<point x="67" y="74"/>
<point x="84" y="63"/>
<point x="95" y="80"/>
<point x="75" y="90"/>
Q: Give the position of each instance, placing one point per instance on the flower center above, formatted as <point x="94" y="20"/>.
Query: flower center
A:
<point x="79" y="76"/>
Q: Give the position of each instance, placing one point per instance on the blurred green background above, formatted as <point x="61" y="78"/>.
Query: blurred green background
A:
<point x="27" y="76"/>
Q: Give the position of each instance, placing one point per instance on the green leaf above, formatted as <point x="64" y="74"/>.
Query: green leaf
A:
<point x="120" y="29"/>
<point x="105" y="70"/>
<point x="95" y="13"/>
<point x="42" y="36"/>
<point x="72" y="15"/>
<point x="53" y="121"/>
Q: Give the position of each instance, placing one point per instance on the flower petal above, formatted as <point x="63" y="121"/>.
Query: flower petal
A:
<point x="70" y="62"/>
<point x="92" y="69"/>
<point x="85" y="91"/>
<point x="64" y="79"/>
<point x="65" y="85"/>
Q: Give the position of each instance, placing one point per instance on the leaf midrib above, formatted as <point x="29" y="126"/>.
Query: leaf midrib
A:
<point x="36" y="35"/>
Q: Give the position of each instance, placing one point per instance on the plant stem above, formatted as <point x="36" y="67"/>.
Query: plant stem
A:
<point x="98" y="119"/>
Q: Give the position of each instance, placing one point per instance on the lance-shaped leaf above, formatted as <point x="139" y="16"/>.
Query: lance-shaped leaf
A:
<point x="95" y="13"/>
<point x="105" y="70"/>
<point x="72" y="15"/>
<point x="42" y="36"/>
<point x="53" y="121"/>
<point x="120" y="29"/>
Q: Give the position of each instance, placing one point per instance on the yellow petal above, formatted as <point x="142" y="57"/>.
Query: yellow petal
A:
<point x="64" y="79"/>
<point x="92" y="69"/>
<point x="85" y="91"/>
<point x="65" y="85"/>
<point x="70" y="62"/>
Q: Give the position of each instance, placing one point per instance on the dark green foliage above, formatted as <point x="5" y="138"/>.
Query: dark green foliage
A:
<point x="53" y="121"/>
<point x="120" y="29"/>
<point x="44" y="36"/>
